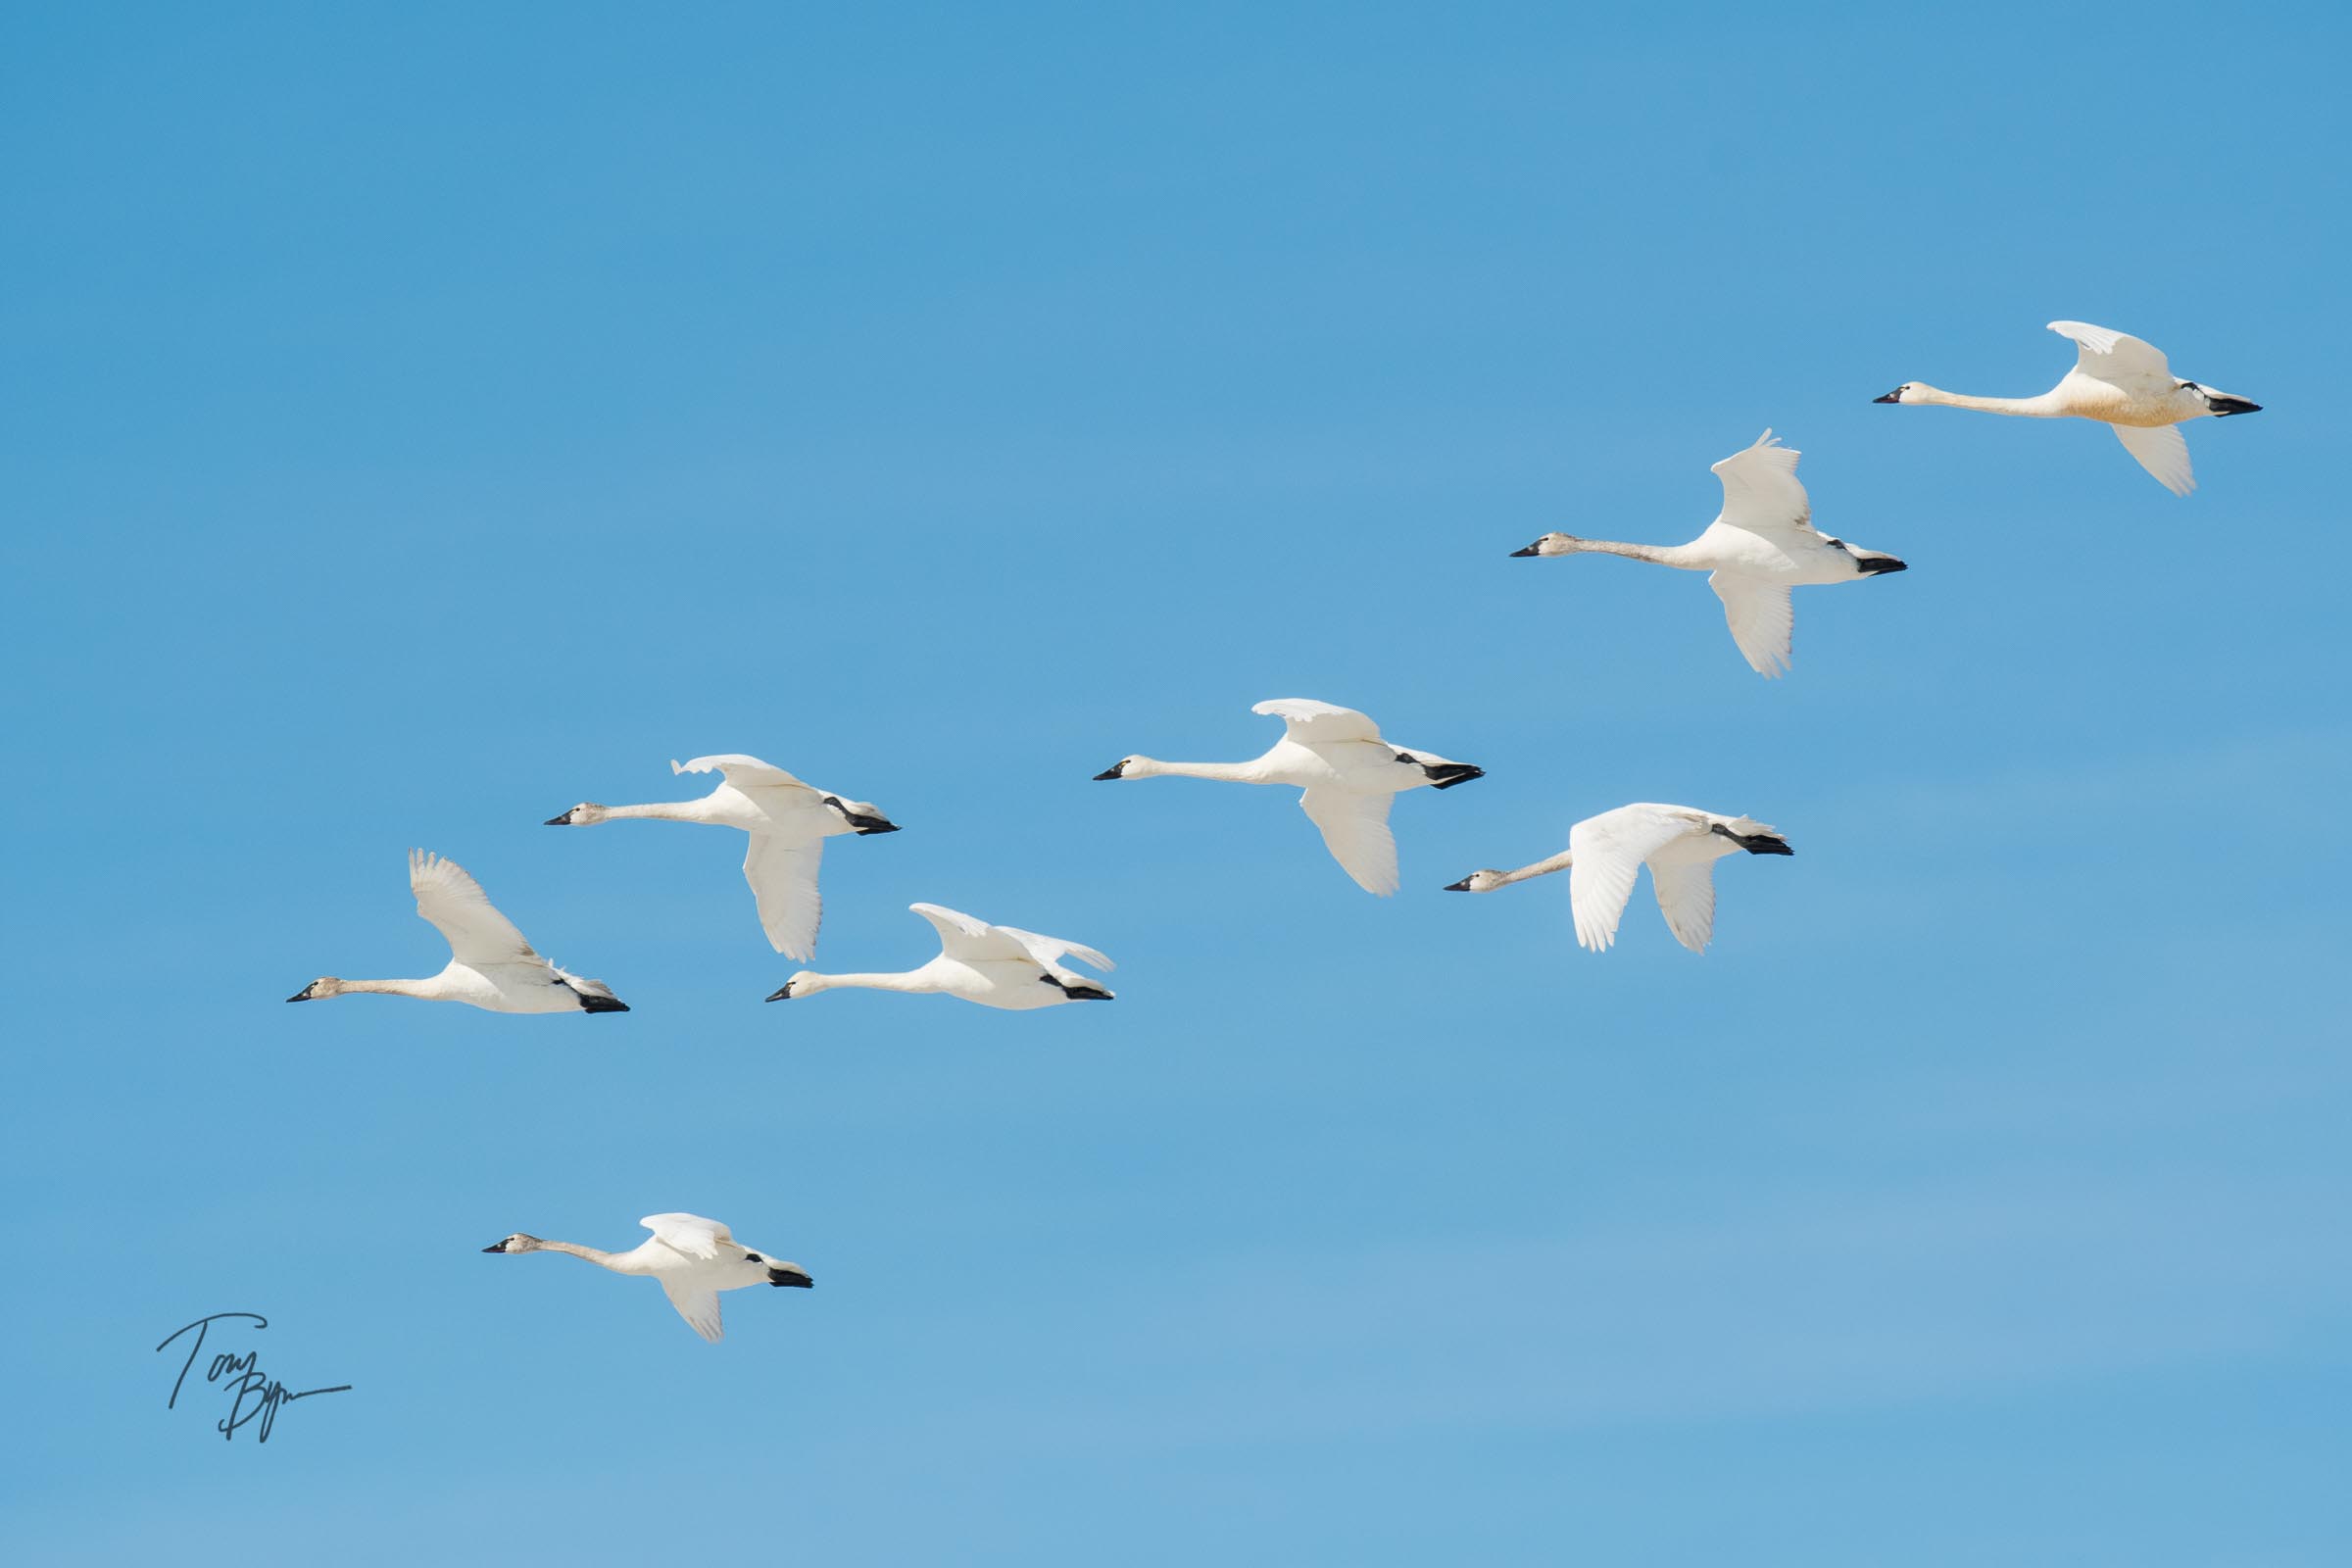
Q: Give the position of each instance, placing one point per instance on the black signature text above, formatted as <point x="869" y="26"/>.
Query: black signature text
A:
<point x="253" y="1394"/>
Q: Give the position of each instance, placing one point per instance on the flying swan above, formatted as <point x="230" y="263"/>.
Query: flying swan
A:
<point x="1348" y="773"/>
<point x="1759" y="547"/>
<point x="490" y="964"/>
<point x="788" y="821"/>
<point x="2120" y="381"/>
<point x="1678" y="843"/>
<point x="995" y="965"/>
<point x="693" y="1259"/>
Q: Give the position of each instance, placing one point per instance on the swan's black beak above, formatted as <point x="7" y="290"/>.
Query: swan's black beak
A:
<point x="1896" y="396"/>
<point x="1117" y="770"/>
<point x="303" y="995"/>
<point x="495" y="1247"/>
<point x="1463" y="886"/>
<point x="1447" y="776"/>
<point x="2223" y="407"/>
<point x="1531" y="550"/>
<point x="782" y="993"/>
<point x="558" y="821"/>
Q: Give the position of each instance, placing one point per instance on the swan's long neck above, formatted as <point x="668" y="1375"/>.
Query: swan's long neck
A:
<point x="617" y="1262"/>
<point x="2041" y="406"/>
<point x="1680" y="556"/>
<point x="661" y="811"/>
<point x="1224" y="772"/>
<point x="1558" y="862"/>
<point x="913" y="980"/>
<point x="429" y="990"/>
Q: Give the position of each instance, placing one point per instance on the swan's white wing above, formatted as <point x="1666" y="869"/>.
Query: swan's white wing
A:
<point x="744" y="772"/>
<point x="783" y="879"/>
<point x="2107" y="353"/>
<point x="1686" y="892"/>
<point x="1355" y="829"/>
<point x="1309" y="723"/>
<point x="699" y="1307"/>
<point x="2160" y="451"/>
<point x="476" y="933"/>
<point x="689" y="1234"/>
<point x="1761" y="621"/>
<point x="968" y="940"/>
<point x="1760" y="489"/>
<point x="1047" y="950"/>
<point x="1607" y="852"/>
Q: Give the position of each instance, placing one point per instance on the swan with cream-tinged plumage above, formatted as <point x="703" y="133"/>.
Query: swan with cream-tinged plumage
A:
<point x="1680" y="845"/>
<point x="490" y="964"/>
<point x="693" y="1259"/>
<point x="1348" y="773"/>
<point x="1762" y="545"/>
<point x="788" y="822"/>
<point x="994" y="965"/>
<point x="2122" y="383"/>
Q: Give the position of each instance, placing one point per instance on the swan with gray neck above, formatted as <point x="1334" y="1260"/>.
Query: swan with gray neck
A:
<point x="490" y="964"/>
<point x="692" y="1258"/>
<point x="2120" y="381"/>
<point x="1680" y="844"/>
<point x="1762" y="545"/>
<point x="788" y="822"/>
<point x="1348" y="774"/>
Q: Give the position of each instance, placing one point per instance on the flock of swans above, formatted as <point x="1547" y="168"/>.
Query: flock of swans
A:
<point x="1760" y="545"/>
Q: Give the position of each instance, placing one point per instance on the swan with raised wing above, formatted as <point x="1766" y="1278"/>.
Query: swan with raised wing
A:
<point x="2122" y="382"/>
<point x="788" y="822"/>
<point x="1680" y="845"/>
<point x="1760" y="545"/>
<point x="1348" y="773"/>
<point x="693" y="1259"/>
<point x="994" y="965"/>
<point x="490" y="964"/>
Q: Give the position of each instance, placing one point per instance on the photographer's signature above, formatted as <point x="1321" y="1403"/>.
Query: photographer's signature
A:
<point x="253" y="1394"/>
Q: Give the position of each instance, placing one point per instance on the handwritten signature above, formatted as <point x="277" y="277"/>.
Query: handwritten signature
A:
<point x="252" y="1393"/>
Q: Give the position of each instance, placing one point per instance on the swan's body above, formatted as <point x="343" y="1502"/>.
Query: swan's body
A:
<point x="1762" y="545"/>
<point x="994" y="965"/>
<point x="1348" y="773"/>
<point x="490" y="964"/>
<point x="693" y="1259"/>
<point x="1680" y="845"/>
<point x="788" y="821"/>
<point x="2120" y="381"/>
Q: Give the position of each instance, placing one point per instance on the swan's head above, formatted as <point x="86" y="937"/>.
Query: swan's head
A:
<point x="1477" y="882"/>
<point x="326" y="985"/>
<point x="1908" y="392"/>
<point x="585" y="814"/>
<point x="1128" y="768"/>
<point x="863" y="816"/>
<point x="1553" y="544"/>
<point x="516" y="1243"/>
<point x="806" y="983"/>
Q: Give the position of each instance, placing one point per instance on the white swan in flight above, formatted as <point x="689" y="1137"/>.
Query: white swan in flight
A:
<point x="693" y="1259"/>
<point x="490" y="964"/>
<point x="1759" y="547"/>
<point x="789" y="822"/>
<point x="1680" y="845"/>
<point x="995" y="965"/>
<point x="1348" y="773"/>
<point x="2120" y="381"/>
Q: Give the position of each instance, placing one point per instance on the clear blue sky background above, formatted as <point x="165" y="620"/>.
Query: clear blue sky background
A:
<point x="420" y="418"/>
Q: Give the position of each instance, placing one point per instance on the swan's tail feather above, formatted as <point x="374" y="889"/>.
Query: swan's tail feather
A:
<point x="1756" y="838"/>
<point x="595" y="995"/>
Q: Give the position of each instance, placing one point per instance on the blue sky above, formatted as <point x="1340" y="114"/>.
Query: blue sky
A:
<point x="421" y="420"/>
